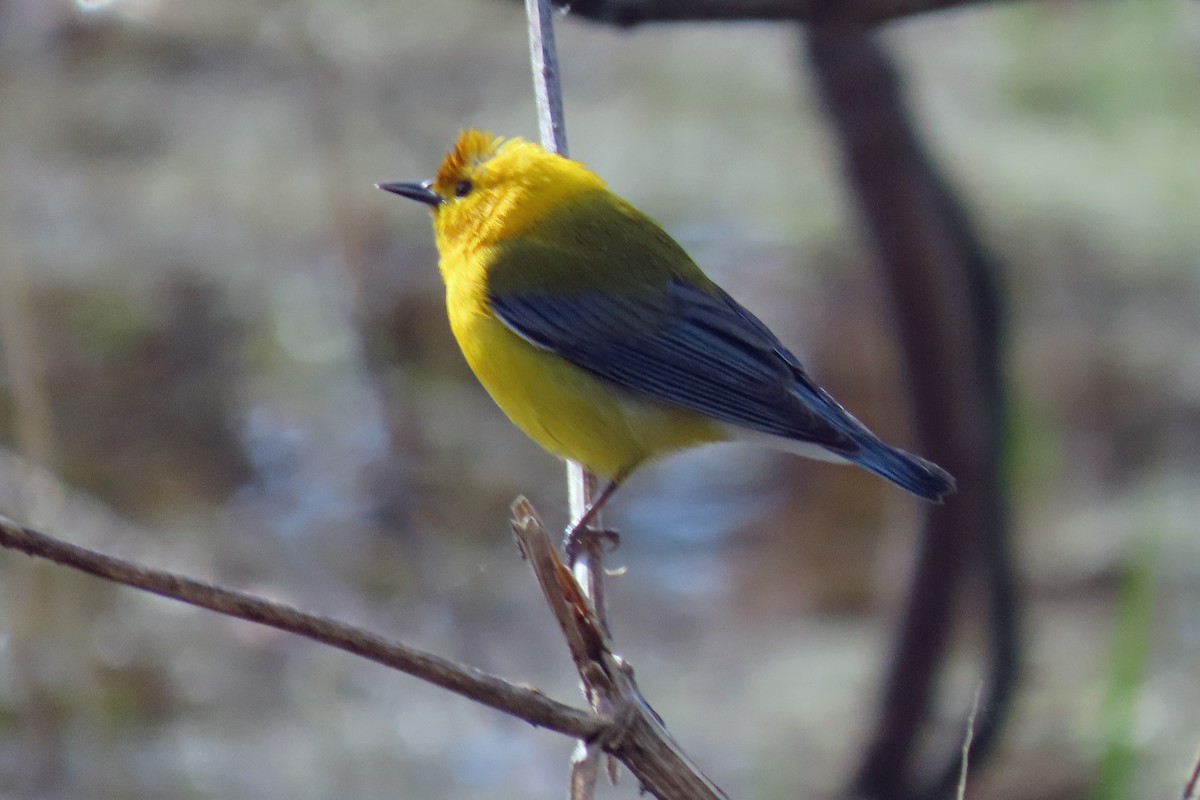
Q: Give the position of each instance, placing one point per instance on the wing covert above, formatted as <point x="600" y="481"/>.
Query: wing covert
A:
<point x="680" y="344"/>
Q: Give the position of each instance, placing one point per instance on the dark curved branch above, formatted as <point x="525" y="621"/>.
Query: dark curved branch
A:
<point x="628" y="13"/>
<point x="948" y="310"/>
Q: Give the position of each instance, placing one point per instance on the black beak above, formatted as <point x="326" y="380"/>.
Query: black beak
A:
<point x="421" y="192"/>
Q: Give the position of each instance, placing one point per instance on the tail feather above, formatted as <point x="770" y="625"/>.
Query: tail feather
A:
<point x="910" y="472"/>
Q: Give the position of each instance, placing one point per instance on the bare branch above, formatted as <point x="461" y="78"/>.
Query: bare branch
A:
<point x="628" y="13"/>
<point x="637" y="736"/>
<point x="960" y="791"/>
<point x="1189" y="789"/>
<point x="525" y="703"/>
<point x="585" y="769"/>
<point x="588" y="561"/>
<point x="547" y="90"/>
<point x="624" y="726"/>
<point x="552" y="128"/>
<point x="558" y="586"/>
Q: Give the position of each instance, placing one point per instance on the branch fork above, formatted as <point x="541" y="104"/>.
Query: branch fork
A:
<point x="631" y="731"/>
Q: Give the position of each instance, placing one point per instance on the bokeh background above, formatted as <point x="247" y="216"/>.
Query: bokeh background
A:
<point x="225" y="353"/>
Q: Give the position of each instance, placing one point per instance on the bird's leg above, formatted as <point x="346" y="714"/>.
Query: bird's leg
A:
<point x="576" y="532"/>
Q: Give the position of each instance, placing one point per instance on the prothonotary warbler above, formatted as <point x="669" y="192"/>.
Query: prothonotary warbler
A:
<point x="602" y="340"/>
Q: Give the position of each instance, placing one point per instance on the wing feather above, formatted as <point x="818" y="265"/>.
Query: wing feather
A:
<point x="689" y="346"/>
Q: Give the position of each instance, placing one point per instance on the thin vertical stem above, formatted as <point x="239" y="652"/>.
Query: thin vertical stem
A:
<point x="588" y="564"/>
<point x="547" y="89"/>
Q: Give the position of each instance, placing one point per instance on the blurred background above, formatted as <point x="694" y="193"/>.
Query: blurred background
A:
<point x="225" y="353"/>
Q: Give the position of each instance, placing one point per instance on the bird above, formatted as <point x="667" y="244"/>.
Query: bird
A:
<point x="600" y="338"/>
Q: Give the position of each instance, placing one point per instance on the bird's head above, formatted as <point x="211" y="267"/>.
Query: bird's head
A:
<point x="489" y="189"/>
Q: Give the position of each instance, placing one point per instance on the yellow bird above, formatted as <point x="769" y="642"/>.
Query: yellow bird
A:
<point x="602" y="340"/>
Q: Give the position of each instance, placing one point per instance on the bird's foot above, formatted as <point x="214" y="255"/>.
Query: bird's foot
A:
<point x="579" y="539"/>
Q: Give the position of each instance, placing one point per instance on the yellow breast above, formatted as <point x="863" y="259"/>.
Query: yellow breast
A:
<point x="563" y="408"/>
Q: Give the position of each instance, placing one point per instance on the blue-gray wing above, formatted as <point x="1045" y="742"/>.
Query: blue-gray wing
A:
<point x="686" y="346"/>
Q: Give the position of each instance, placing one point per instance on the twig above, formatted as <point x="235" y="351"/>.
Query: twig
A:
<point x="552" y="129"/>
<point x="527" y="704"/>
<point x="624" y="725"/>
<point x="547" y="90"/>
<point x="588" y="560"/>
<point x="1189" y="789"/>
<point x="558" y="585"/>
<point x="585" y="770"/>
<point x="964" y="765"/>
<point x="636" y="735"/>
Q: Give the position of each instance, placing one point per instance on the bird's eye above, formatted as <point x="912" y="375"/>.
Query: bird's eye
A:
<point x="462" y="188"/>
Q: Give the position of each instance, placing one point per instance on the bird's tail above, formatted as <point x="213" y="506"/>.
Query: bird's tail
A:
<point x="910" y="472"/>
